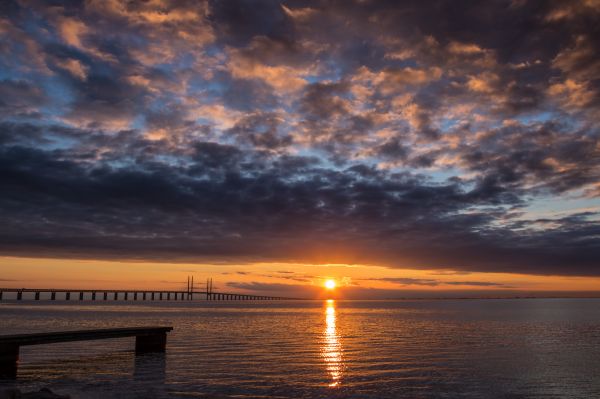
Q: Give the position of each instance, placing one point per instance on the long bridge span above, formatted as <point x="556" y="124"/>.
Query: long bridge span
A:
<point x="188" y="294"/>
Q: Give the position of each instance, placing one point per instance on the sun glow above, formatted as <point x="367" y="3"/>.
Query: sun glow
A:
<point x="330" y="284"/>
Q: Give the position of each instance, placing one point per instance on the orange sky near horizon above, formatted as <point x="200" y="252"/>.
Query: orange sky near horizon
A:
<point x="304" y="280"/>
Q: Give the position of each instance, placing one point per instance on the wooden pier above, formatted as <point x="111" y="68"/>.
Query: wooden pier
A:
<point x="189" y="294"/>
<point x="147" y="340"/>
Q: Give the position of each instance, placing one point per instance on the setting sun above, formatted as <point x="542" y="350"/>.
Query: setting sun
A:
<point x="330" y="284"/>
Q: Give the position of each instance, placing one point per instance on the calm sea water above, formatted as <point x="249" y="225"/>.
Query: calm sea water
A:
<point x="538" y="348"/>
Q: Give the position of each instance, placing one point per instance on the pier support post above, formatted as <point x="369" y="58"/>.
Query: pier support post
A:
<point x="9" y="357"/>
<point x="37" y="296"/>
<point x="67" y="296"/>
<point x="116" y="296"/>
<point x="53" y="296"/>
<point x="160" y="296"/>
<point x="152" y="296"/>
<point x="1" y="295"/>
<point x="126" y="293"/>
<point x="135" y="296"/>
<point x="19" y="295"/>
<point x="150" y="343"/>
<point x="168" y="296"/>
<point x="81" y="296"/>
<point x="106" y="296"/>
<point x="143" y="296"/>
<point x="93" y="296"/>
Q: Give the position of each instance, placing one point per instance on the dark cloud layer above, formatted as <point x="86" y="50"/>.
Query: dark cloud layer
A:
<point x="413" y="134"/>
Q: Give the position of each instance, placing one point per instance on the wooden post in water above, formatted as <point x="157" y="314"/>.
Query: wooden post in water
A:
<point x="37" y="296"/>
<point x="126" y="293"/>
<point x="53" y="296"/>
<point x="9" y="358"/>
<point x="93" y="296"/>
<point x="19" y="295"/>
<point x="116" y="296"/>
<point x="81" y="296"/>
<point x="67" y="296"/>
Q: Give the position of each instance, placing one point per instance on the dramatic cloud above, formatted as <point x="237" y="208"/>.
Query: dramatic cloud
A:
<point x="434" y="283"/>
<point x="408" y="135"/>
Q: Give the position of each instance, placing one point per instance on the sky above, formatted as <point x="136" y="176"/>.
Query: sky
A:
<point x="398" y="147"/>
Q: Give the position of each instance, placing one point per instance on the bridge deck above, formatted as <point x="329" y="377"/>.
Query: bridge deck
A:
<point x="142" y="295"/>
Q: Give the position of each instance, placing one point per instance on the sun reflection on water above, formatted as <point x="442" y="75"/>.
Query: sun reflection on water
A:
<point x="332" y="349"/>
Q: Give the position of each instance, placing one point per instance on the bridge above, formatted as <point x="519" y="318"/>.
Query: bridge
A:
<point x="189" y="294"/>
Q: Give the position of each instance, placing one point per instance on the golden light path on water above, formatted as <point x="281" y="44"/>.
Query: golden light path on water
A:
<point x="332" y="349"/>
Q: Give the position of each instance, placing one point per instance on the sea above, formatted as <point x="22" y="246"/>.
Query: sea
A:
<point x="478" y="348"/>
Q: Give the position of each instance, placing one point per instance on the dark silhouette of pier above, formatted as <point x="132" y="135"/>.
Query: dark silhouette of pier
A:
<point x="147" y="340"/>
<point x="189" y="294"/>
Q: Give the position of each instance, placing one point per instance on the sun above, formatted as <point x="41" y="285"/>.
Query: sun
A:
<point x="330" y="284"/>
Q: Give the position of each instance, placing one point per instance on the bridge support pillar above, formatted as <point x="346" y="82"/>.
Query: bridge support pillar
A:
<point x="37" y="296"/>
<point x="81" y="296"/>
<point x="19" y="295"/>
<point x="67" y="296"/>
<point x="93" y="296"/>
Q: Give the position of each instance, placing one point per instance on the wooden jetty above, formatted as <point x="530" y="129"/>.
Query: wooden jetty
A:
<point x="147" y="340"/>
<point x="133" y="295"/>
